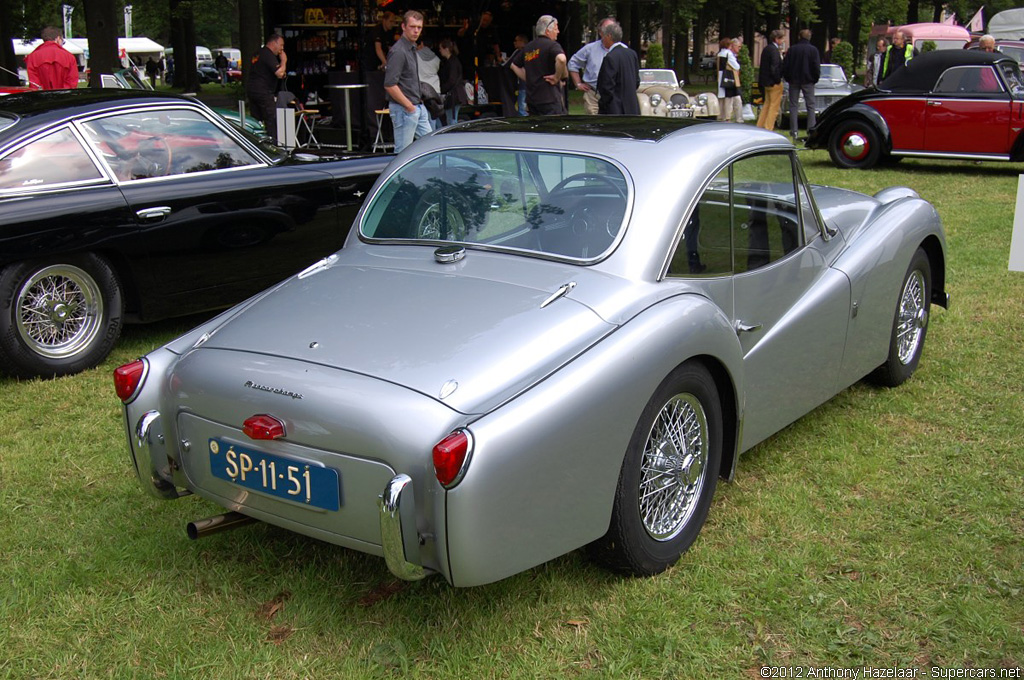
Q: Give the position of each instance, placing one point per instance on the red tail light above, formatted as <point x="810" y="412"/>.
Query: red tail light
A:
<point x="128" y="378"/>
<point x="451" y="456"/>
<point x="263" y="426"/>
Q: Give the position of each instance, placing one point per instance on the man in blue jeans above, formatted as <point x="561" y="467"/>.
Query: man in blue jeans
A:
<point x="409" y="116"/>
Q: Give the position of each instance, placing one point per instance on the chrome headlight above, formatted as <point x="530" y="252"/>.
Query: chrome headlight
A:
<point x="702" y="99"/>
<point x="655" y="100"/>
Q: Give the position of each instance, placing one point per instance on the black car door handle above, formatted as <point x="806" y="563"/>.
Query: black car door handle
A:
<point x="154" y="214"/>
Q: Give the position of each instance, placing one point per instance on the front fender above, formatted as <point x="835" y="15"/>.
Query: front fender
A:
<point x="546" y="464"/>
<point x="819" y="136"/>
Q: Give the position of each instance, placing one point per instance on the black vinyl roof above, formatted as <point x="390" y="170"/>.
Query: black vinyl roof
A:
<point x="923" y="71"/>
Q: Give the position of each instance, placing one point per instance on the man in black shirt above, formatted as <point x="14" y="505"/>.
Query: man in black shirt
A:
<point x="542" y="65"/>
<point x="801" y="68"/>
<point x="770" y="80"/>
<point x="268" y="68"/>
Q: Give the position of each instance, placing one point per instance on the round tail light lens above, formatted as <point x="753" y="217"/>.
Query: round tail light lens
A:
<point x="128" y="378"/>
<point x="451" y="458"/>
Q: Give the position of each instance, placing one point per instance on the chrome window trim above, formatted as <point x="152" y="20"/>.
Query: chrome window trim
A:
<point x="627" y="215"/>
<point x="261" y="160"/>
<point x="678" y="235"/>
<point x="101" y="168"/>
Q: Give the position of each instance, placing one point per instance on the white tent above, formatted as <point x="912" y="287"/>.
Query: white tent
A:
<point x="1008" y="25"/>
<point x="128" y="46"/>
<point x="24" y="47"/>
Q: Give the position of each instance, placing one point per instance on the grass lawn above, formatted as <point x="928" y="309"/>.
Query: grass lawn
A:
<point x="884" y="529"/>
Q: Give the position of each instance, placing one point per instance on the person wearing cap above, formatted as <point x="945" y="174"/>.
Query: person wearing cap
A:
<point x="50" y="66"/>
<point x="542" y="65"/>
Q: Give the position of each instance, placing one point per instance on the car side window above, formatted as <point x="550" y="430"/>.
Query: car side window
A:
<point x="164" y="142"/>
<point x="56" y="159"/>
<point x="1012" y="76"/>
<point x="968" y="80"/>
<point x="748" y="217"/>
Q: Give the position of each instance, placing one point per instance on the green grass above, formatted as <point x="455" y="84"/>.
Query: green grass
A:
<point x="883" y="529"/>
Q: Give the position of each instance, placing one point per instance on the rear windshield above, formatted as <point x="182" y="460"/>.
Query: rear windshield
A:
<point x="546" y="203"/>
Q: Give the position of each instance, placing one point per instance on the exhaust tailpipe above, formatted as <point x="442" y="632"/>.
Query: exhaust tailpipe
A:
<point x="212" y="525"/>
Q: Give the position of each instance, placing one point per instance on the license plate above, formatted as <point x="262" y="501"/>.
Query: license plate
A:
<point x="279" y="476"/>
<point x="680" y="113"/>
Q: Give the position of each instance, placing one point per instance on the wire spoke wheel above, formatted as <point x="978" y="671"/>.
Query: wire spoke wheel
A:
<point x="913" y="317"/>
<point x="59" y="311"/>
<point x="673" y="468"/>
<point x="437" y="226"/>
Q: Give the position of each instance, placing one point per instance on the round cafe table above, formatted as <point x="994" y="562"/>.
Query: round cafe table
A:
<point x="346" y="90"/>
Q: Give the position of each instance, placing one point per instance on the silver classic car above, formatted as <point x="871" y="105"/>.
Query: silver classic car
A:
<point x="524" y="349"/>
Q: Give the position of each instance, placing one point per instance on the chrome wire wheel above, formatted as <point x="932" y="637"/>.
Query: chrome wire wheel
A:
<point x="674" y="466"/>
<point x="435" y="227"/>
<point x="59" y="311"/>
<point x="913" y="317"/>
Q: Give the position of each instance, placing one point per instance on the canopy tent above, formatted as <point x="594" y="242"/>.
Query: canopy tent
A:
<point x="23" y="48"/>
<point x="129" y="46"/>
<point x="1007" y="25"/>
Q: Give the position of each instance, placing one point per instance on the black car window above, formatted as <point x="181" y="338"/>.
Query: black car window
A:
<point x="969" y="80"/>
<point x="747" y="217"/>
<point x="164" y="142"/>
<point x="1013" y="78"/>
<point x="56" y="159"/>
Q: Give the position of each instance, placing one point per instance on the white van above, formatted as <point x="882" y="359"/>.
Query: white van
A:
<point x="233" y="54"/>
<point x="203" y="55"/>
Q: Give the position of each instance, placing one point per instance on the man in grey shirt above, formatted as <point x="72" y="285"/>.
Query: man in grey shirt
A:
<point x="409" y="116"/>
<point x="588" y="60"/>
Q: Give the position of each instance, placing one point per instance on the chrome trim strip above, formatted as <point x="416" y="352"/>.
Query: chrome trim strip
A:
<point x="952" y="155"/>
<point x="398" y="535"/>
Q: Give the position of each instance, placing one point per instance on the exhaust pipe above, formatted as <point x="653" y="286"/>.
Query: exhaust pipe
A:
<point x="212" y="525"/>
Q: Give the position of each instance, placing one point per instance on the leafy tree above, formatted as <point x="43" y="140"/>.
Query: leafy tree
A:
<point x="746" y="73"/>
<point x="842" y="54"/>
<point x="655" y="56"/>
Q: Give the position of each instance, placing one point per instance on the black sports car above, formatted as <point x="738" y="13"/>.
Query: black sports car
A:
<point x="129" y="206"/>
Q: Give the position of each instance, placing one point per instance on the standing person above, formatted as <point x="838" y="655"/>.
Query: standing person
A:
<point x="619" y="77"/>
<point x="221" y="64"/>
<point x="542" y="66"/>
<point x="268" y="68"/>
<point x="898" y="55"/>
<point x="479" y="47"/>
<point x="586" y="64"/>
<point x="770" y="80"/>
<point x="409" y="116"/>
<point x="429" y="65"/>
<point x="730" y="103"/>
<point x="830" y="54"/>
<point x="50" y="66"/>
<point x="151" y="70"/>
<point x="874" y="72"/>
<point x="987" y="43"/>
<point x="520" y="88"/>
<point x="453" y="87"/>
<point x="801" y="68"/>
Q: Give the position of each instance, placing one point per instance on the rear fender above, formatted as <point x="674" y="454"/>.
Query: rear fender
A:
<point x="546" y="464"/>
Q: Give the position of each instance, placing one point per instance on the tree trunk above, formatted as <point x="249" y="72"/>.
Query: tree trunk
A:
<point x="912" y="11"/>
<point x="682" y="50"/>
<point x="9" y="73"/>
<point x="853" y="35"/>
<point x="250" y="33"/>
<point x="183" y="39"/>
<point x="667" y="17"/>
<point x="102" y="27"/>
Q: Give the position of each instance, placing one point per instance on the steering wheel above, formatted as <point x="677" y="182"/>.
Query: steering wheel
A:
<point x="584" y="176"/>
<point x="159" y="160"/>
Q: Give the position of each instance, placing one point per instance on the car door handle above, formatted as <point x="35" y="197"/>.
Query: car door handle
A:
<point x="154" y="214"/>
<point x="934" y="103"/>
<point x="747" y="327"/>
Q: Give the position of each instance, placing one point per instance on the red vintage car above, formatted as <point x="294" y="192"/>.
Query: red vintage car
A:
<point x="955" y="104"/>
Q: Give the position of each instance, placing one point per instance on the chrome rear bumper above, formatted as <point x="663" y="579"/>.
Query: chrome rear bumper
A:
<point x="398" y="535"/>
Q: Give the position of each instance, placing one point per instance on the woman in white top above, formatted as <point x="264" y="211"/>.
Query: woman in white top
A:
<point x="730" y="103"/>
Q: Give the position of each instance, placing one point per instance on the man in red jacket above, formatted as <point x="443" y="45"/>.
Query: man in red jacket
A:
<point x="50" y="66"/>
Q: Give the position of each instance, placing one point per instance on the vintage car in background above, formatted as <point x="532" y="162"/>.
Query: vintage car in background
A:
<point x="661" y="94"/>
<point x="957" y="104"/>
<point x="832" y="86"/>
<point x="542" y="334"/>
<point x="1011" y="48"/>
<point x="124" y="205"/>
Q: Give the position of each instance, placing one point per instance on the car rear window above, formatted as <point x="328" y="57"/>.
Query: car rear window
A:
<point x="535" y="202"/>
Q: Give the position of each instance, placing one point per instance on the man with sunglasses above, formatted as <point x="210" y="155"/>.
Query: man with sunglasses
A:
<point x="542" y="65"/>
<point x="50" y="66"/>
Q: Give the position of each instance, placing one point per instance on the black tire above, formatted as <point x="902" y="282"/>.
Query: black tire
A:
<point x="642" y="541"/>
<point x="909" y="326"/>
<point x="58" y="316"/>
<point x="855" y="144"/>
